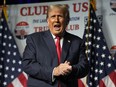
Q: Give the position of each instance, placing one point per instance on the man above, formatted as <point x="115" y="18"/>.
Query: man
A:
<point x="40" y="59"/>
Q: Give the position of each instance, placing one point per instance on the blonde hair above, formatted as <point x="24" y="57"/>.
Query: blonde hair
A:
<point x="63" y="7"/>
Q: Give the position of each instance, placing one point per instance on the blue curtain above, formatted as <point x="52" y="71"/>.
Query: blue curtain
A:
<point x="8" y="2"/>
<point x="28" y="1"/>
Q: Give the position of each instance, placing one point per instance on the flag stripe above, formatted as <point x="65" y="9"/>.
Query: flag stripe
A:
<point x="22" y="79"/>
<point x="25" y="75"/>
<point x="10" y="85"/>
<point x="108" y="82"/>
<point x="113" y="77"/>
<point x="16" y="83"/>
<point x="101" y="84"/>
<point x="80" y="83"/>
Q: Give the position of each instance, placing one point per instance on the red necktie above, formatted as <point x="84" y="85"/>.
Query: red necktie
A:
<point x="58" y="48"/>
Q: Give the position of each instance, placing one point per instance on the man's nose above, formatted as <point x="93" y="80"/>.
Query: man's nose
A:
<point x="57" y="19"/>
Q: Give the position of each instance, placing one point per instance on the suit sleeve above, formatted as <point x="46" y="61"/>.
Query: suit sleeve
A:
<point x="80" y="66"/>
<point x="32" y="67"/>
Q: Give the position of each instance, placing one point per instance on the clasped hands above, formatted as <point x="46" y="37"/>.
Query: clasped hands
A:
<point x="63" y="69"/>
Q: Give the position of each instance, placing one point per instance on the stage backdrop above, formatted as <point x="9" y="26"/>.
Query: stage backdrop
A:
<point x="24" y="19"/>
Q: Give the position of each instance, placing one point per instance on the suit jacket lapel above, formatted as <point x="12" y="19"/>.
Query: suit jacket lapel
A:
<point x="51" y="46"/>
<point x="65" y="48"/>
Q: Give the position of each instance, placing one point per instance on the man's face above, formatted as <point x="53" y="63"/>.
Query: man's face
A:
<point x="56" y="21"/>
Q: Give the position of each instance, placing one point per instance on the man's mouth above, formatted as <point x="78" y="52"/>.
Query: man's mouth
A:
<point x="57" y="27"/>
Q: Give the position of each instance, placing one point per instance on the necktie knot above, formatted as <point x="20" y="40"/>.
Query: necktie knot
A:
<point x="57" y="37"/>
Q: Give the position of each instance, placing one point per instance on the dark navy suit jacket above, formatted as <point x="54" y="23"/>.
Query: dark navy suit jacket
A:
<point x="40" y="58"/>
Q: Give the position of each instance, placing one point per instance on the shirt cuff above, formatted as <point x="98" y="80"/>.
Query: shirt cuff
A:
<point x="53" y="78"/>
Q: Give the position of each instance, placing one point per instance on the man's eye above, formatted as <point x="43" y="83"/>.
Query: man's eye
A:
<point x="52" y="16"/>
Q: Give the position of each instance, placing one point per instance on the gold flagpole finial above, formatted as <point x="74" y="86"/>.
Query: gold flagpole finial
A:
<point x="4" y="2"/>
<point x="5" y="10"/>
<point x="93" y="2"/>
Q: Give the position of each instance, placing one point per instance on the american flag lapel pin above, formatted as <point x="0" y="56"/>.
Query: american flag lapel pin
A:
<point x="68" y="41"/>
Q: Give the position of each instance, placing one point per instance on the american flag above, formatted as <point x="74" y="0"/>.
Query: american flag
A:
<point x="102" y="67"/>
<point x="11" y="73"/>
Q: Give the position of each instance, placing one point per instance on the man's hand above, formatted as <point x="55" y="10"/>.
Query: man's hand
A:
<point x="63" y="69"/>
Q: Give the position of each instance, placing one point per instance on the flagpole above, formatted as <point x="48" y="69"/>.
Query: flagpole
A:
<point x="87" y="30"/>
<point x="93" y="3"/>
<point x="87" y="41"/>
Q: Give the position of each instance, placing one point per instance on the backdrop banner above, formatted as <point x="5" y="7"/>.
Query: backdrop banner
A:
<point x="25" y="19"/>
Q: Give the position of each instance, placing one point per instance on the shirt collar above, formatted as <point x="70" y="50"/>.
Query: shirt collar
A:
<point x="55" y="36"/>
